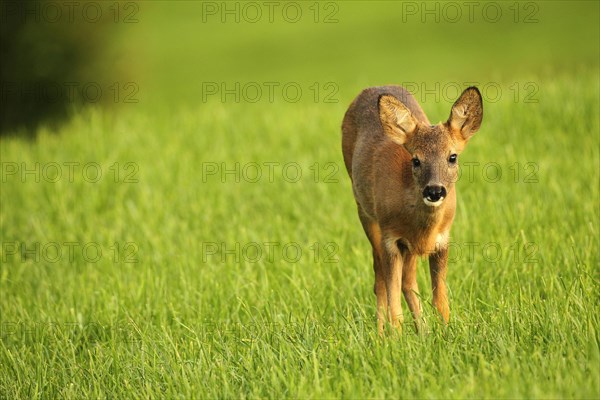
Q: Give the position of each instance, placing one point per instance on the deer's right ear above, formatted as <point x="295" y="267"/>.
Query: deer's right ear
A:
<point x="397" y="121"/>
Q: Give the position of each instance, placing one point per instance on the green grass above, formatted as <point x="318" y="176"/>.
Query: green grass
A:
<point x="159" y="315"/>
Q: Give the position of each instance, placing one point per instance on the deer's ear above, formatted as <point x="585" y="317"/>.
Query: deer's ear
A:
<point x="397" y="121"/>
<point x="467" y="113"/>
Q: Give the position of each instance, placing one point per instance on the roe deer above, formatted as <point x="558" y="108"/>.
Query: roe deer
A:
<point x="403" y="171"/>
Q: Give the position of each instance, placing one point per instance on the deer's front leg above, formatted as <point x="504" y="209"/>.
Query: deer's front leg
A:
<point x="410" y="287"/>
<point x="374" y="234"/>
<point x="438" y="266"/>
<point x="392" y="272"/>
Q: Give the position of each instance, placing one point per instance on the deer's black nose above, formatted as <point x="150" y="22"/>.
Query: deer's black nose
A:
<point x="434" y="192"/>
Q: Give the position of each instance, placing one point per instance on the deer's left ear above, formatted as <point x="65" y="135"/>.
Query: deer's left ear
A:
<point x="467" y="113"/>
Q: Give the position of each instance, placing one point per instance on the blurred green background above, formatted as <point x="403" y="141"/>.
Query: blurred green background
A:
<point x="357" y="44"/>
<point x="164" y="53"/>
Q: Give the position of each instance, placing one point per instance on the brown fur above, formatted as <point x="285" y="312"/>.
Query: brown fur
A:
<point x="383" y="130"/>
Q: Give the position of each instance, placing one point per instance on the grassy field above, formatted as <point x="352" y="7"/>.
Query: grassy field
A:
<point x="195" y="246"/>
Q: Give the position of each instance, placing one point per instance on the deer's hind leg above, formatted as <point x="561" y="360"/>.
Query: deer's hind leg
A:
<point x="373" y="232"/>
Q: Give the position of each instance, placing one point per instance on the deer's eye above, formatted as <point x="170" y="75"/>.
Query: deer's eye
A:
<point x="416" y="162"/>
<point x="452" y="159"/>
